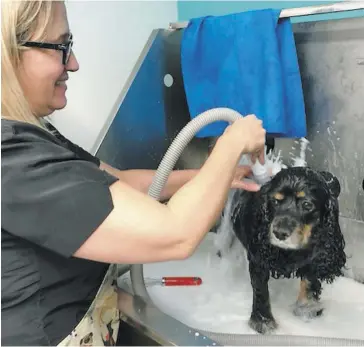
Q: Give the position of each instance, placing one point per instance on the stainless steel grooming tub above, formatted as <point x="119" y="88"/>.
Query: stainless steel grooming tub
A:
<point x="152" y="109"/>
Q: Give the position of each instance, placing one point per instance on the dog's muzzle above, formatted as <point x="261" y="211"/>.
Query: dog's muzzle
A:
<point x="289" y="232"/>
<point x="284" y="226"/>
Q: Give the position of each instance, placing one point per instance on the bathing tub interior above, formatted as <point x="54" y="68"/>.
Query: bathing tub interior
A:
<point x="151" y="111"/>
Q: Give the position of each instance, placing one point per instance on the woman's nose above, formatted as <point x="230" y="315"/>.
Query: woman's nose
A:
<point x="72" y="64"/>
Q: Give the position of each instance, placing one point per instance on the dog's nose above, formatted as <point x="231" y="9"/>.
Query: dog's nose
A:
<point x="281" y="234"/>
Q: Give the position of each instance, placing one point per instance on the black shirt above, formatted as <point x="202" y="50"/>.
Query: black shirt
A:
<point x="53" y="197"/>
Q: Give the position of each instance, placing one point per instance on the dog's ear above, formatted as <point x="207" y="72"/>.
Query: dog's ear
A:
<point x="263" y="213"/>
<point x="331" y="248"/>
<point x="332" y="182"/>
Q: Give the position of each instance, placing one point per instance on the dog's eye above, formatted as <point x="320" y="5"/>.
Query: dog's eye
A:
<point x="277" y="198"/>
<point x="307" y="205"/>
<point x="276" y="202"/>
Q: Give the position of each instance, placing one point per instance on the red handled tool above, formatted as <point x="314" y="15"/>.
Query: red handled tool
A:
<point x="169" y="281"/>
<point x="181" y="281"/>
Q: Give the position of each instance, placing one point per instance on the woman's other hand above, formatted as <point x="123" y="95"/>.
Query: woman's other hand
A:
<point x="238" y="182"/>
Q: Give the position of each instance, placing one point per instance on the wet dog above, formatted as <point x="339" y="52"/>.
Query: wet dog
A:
<point x="290" y="228"/>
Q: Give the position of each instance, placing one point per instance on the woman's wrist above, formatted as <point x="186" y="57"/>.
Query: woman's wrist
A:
<point x="229" y="146"/>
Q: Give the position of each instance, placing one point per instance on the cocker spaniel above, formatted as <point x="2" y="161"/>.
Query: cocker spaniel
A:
<point x="290" y="228"/>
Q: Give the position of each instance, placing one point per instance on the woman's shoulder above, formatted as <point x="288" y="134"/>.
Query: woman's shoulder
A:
<point x="16" y="130"/>
<point x="37" y="140"/>
<point x="29" y="144"/>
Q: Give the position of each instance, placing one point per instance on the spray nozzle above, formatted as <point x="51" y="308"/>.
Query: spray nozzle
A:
<point x="261" y="173"/>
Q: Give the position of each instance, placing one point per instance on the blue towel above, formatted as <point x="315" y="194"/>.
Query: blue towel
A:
<point x="248" y="62"/>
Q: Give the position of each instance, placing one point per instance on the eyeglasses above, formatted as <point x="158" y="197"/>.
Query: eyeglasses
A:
<point x="66" y="48"/>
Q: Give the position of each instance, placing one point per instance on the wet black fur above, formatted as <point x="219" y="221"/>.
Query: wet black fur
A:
<point x="322" y="260"/>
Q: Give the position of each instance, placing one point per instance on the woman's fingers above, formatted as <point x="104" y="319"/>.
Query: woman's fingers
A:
<point x="245" y="185"/>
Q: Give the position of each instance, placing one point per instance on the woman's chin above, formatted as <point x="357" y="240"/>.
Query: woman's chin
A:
<point x="59" y="102"/>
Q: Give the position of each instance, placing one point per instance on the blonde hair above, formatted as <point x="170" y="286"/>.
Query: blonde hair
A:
<point x="20" y="22"/>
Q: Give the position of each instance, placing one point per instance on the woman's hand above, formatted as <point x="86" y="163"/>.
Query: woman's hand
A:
<point x="246" y="135"/>
<point x="239" y="182"/>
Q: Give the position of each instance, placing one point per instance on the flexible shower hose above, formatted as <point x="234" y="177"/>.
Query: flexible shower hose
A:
<point x="136" y="272"/>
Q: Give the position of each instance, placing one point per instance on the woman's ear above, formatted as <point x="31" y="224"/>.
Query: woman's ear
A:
<point x="332" y="182"/>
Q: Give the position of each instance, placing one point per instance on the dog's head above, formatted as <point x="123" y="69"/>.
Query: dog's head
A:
<point x="299" y="204"/>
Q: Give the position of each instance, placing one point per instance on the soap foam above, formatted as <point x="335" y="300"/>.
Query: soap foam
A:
<point x="262" y="173"/>
<point x="224" y="300"/>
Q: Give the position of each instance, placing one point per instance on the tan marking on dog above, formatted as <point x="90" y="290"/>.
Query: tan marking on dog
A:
<point x="300" y="194"/>
<point x="302" y="295"/>
<point x="306" y="233"/>
<point x="278" y="196"/>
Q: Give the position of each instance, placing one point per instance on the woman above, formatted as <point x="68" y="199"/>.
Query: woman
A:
<point x="65" y="214"/>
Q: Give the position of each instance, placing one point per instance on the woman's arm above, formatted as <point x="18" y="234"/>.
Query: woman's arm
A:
<point x="142" y="230"/>
<point x="142" y="179"/>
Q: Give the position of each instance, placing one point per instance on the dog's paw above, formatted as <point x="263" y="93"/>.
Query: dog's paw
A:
<point x="263" y="325"/>
<point x="308" y="310"/>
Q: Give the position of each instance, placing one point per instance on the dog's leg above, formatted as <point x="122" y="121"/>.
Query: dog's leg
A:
<point x="308" y="304"/>
<point x="261" y="319"/>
